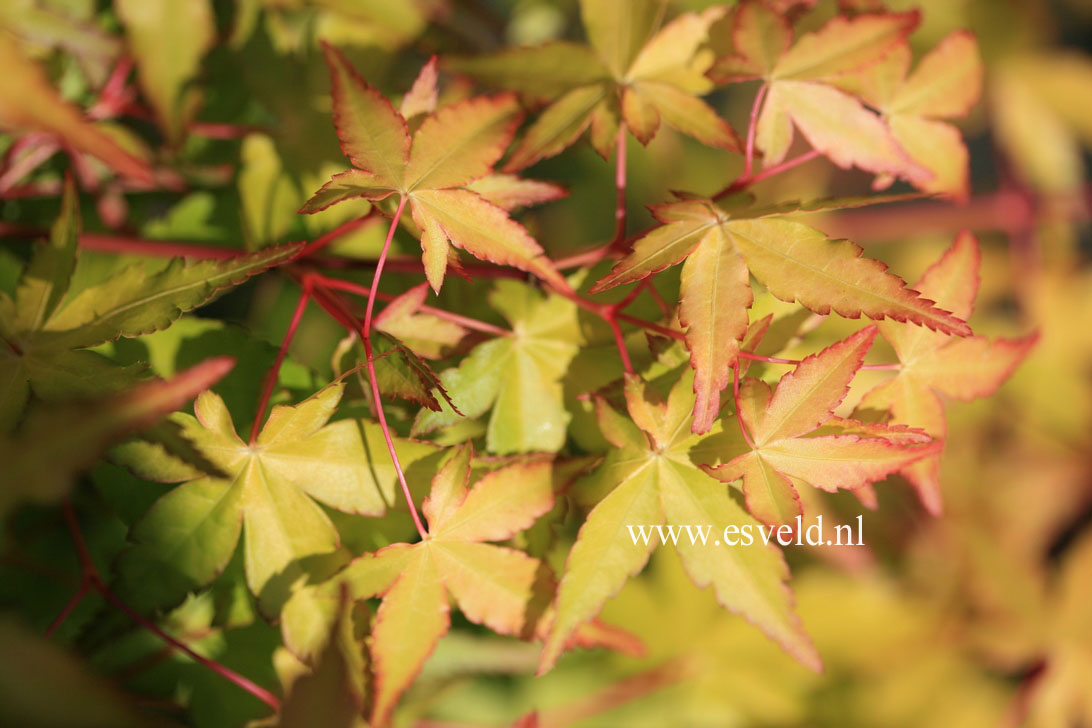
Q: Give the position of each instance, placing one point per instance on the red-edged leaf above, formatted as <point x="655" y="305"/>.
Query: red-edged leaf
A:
<point x="797" y="263"/>
<point x="932" y="362"/>
<point x="349" y="185"/>
<point x="715" y="295"/>
<point x="787" y="443"/>
<point x="373" y="135"/>
<point x="461" y="142"/>
<point x="507" y="191"/>
<point x="806" y="396"/>
<point x="422" y="96"/>
<point x="844" y="45"/>
<point x="485" y="231"/>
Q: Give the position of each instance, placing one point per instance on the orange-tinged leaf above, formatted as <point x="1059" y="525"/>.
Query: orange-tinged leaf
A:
<point x="486" y="232"/>
<point x="973" y="367"/>
<point x="449" y="486"/>
<point x="641" y="116"/>
<point x="434" y="243"/>
<point x="835" y="124"/>
<point x="373" y="135"/>
<point x="507" y="191"/>
<point x="931" y="362"/>
<point x="844" y="45"/>
<point x="502" y="503"/>
<point x="759" y="36"/>
<point x="787" y="444"/>
<point x="937" y="147"/>
<point x="422" y="96"/>
<point x="798" y="263"/>
<point x="29" y="103"/>
<point x="806" y="396"/>
<point x="918" y="407"/>
<point x="492" y="585"/>
<point x="644" y="483"/>
<point x="946" y="83"/>
<point x="714" y="297"/>
<point x="690" y="115"/>
<point x="831" y="462"/>
<point x="663" y="247"/>
<point x="461" y="142"/>
<point x="769" y="495"/>
<point x="348" y="185"/>
<point x="952" y="282"/>
<point x="674" y="55"/>
<point x="408" y="624"/>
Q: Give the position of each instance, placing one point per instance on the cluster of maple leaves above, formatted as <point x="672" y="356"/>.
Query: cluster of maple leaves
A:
<point x="684" y="431"/>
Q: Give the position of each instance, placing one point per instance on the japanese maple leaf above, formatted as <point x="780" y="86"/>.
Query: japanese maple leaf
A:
<point x="800" y="86"/>
<point x="506" y="373"/>
<point x="492" y="585"/>
<point x="786" y="438"/>
<point x="651" y="477"/>
<point x="724" y="245"/>
<point x="933" y="363"/>
<point x="629" y="73"/>
<point x="432" y="169"/>
<point x="946" y="84"/>
<point x="46" y="335"/>
<point x="270" y="491"/>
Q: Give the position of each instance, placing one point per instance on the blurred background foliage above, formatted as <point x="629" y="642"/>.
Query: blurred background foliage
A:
<point x="981" y="617"/>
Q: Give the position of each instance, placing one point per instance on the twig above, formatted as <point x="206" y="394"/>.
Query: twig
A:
<point x="366" y="336"/>
<point x="92" y="579"/>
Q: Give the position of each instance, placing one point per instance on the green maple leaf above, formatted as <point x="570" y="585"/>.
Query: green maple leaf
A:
<point x="518" y="376"/>
<point x="629" y="72"/>
<point x="269" y="493"/>
<point x="46" y="334"/>
<point x="793" y="435"/>
<point x="492" y="585"/>
<point x="933" y="363"/>
<point x="451" y="148"/>
<point x="651" y="477"/>
<point x="723" y="245"/>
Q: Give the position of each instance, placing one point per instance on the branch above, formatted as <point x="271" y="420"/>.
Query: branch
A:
<point x="92" y="579"/>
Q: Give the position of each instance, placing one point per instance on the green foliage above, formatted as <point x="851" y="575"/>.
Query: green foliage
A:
<point x="314" y="410"/>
